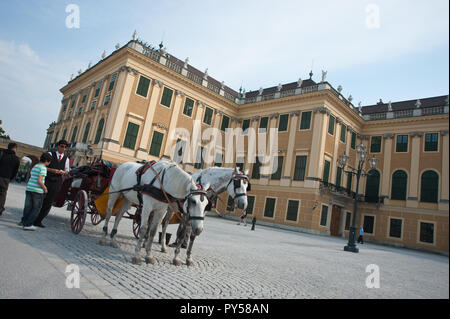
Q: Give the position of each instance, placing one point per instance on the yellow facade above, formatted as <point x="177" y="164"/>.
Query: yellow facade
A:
<point x="129" y="100"/>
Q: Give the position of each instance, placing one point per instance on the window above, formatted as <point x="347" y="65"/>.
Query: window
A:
<point x="131" y="136"/>
<point x="326" y="171"/>
<point x="348" y="217"/>
<point x="375" y="144"/>
<point x="256" y="166"/>
<point x="207" y="118"/>
<point x="338" y="176"/>
<point x="199" y="161"/>
<point x="250" y="204"/>
<point x="292" y="210"/>
<point x="166" y="98"/>
<point x="402" y="143"/>
<point x="353" y="142"/>
<point x="112" y="81"/>
<point x="305" y="123"/>
<point x="155" y="147"/>
<point x="368" y="223"/>
<point x="300" y="168"/>
<point x="178" y="155"/>
<point x="225" y="122"/>
<point x="278" y="161"/>
<point x="426" y="232"/>
<point x="84" y="96"/>
<point x="269" y="209"/>
<point x="56" y="137"/>
<point x="99" y="131"/>
<point x="331" y="125"/>
<point x="230" y="204"/>
<point x="429" y="187"/>
<point x="74" y="98"/>
<point x="64" y="134"/>
<point x="395" y="228"/>
<point x="188" y="107"/>
<point x="107" y="98"/>
<point x="65" y="105"/>
<point x="349" y="182"/>
<point x="218" y="161"/>
<point x="86" y="132"/>
<point x="74" y="134"/>
<point x="399" y="184"/>
<point x="372" y="186"/>
<point x="93" y="105"/>
<point x="263" y="124"/>
<point x="245" y="125"/>
<point x="143" y="85"/>
<point x="431" y="142"/>
<point x="324" y="216"/>
<point x="283" y="125"/>
<point x="97" y="89"/>
<point x="343" y="132"/>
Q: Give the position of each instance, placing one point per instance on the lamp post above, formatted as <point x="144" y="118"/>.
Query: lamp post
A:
<point x="343" y="159"/>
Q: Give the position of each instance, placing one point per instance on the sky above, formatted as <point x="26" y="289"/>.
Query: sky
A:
<point x="392" y="50"/>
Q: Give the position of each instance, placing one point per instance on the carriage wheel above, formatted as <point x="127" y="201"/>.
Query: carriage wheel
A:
<point x="79" y="210"/>
<point x="96" y="218"/>
<point x="137" y="222"/>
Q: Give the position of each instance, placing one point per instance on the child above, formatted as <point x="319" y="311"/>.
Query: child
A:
<point x="35" y="191"/>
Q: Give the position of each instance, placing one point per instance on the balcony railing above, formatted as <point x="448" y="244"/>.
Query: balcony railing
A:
<point x="346" y="193"/>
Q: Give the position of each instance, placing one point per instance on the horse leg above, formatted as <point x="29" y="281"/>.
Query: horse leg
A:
<point x="180" y="240"/>
<point x="150" y="218"/>
<point x="146" y="209"/>
<point x="125" y="206"/>
<point x="164" y="225"/>
<point x="189" y="250"/>
<point x="111" y="201"/>
<point x="153" y="227"/>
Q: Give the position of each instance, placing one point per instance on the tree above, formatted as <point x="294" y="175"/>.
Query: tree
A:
<point x="2" y="132"/>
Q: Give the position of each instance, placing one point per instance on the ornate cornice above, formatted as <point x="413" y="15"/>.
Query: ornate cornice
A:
<point x="363" y="137"/>
<point x="180" y="93"/>
<point x="416" y="134"/>
<point x="388" y="135"/>
<point x="274" y="115"/>
<point x="294" y="113"/>
<point x="128" y="70"/>
<point x="444" y="132"/>
<point x="159" y="83"/>
<point x="160" y="126"/>
<point x="200" y="103"/>
<point x="322" y="110"/>
<point x="255" y="118"/>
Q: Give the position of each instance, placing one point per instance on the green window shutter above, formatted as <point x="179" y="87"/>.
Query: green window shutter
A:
<point x="64" y="134"/>
<point x="292" y="210"/>
<point x="300" y="168"/>
<point x="256" y="167"/>
<point x="74" y="99"/>
<point x="131" y="136"/>
<point x="284" y="120"/>
<point x="156" y="144"/>
<point x="225" y="122"/>
<point x="326" y="171"/>
<point x="107" y="98"/>
<point x="324" y="216"/>
<point x="97" y="89"/>
<point x="85" y="95"/>
<point x="269" y="209"/>
<point x="277" y="174"/>
<point x="399" y="184"/>
<point x="263" y="124"/>
<point x="402" y="143"/>
<point x="431" y="142"/>
<point x="372" y="186"/>
<point x="368" y="224"/>
<point x="331" y="125"/>
<point x="86" y="132"/>
<point x="188" y="107"/>
<point x="166" y="98"/>
<point x="338" y="176"/>
<point x="112" y="81"/>
<point x="99" y="131"/>
<point x="199" y="161"/>
<point x="395" y="228"/>
<point x="305" y="123"/>
<point x="343" y="132"/>
<point x="250" y="204"/>
<point x="429" y="187"/>
<point x="245" y="125"/>
<point x="353" y="143"/>
<point x="349" y="182"/>
<point x="348" y="217"/>
<point x="375" y="144"/>
<point x="208" y="116"/>
<point x="426" y="232"/>
<point x="143" y="86"/>
<point x="74" y="134"/>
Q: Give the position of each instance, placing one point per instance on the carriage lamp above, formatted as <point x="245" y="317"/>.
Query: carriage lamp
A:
<point x="342" y="161"/>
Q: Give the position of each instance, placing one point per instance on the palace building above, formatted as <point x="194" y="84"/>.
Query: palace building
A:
<point x="128" y="106"/>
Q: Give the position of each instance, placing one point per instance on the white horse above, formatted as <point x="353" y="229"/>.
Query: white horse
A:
<point x="215" y="180"/>
<point x="177" y="185"/>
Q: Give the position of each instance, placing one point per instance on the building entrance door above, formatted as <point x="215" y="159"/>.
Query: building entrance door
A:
<point x="335" y="221"/>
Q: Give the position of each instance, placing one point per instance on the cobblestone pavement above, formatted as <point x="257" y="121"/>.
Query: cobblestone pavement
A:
<point x="230" y="261"/>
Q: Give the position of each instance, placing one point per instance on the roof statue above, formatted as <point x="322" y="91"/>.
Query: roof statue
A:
<point x="205" y="76"/>
<point x="104" y="54"/>
<point x="186" y="63"/>
<point x="79" y="71"/>
<point x="350" y="98"/>
<point x="90" y="64"/>
<point x="339" y="88"/>
<point x="324" y="75"/>
<point x="222" y="85"/>
<point x="117" y="46"/>
<point x="243" y="94"/>
<point x="279" y="87"/>
<point x="390" y="106"/>
<point x="261" y="90"/>
<point x="134" y="35"/>
<point x="299" y="82"/>
<point x="418" y="104"/>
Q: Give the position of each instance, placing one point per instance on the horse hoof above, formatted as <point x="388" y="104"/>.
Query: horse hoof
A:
<point x="189" y="262"/>
<point x="163" y="249"/>
<point x="150" y="260"/>
<point x="103" y="242"/>
<point x="177" y="262"/>
<point x="115" y="245"/>
<point x="136" y="260"/>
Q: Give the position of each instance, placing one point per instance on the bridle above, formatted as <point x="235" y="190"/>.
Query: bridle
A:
<point x="237" y="180"/>
<point x="200" y="191"/>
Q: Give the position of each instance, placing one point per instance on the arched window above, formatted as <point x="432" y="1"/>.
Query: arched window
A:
<point x="399" y="184"/>
<point x="99" y="131"/>
<point x="74" y="134"/>
<point x="372" y="186"/>
<point x="86" y="132"/>
<point x="429" y="187"/>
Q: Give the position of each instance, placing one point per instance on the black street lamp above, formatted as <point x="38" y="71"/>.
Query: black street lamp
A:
<point x="343" y="159"/>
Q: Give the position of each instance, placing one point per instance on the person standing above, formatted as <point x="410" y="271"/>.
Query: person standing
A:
<point x="59" y="167"/>
<point x="360" y="238"/>
<point x="9" y="165"/>
<point x="35" y="191"/>
<point x="253" y="223"/>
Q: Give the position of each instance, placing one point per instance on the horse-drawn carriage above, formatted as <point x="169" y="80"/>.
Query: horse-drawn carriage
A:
<point x="85" y="191"/>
